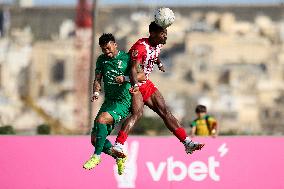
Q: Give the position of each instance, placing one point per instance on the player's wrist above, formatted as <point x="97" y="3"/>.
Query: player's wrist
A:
<point x="135" y="85"/>
<point x="126" y="78"/>
<point x="96" y="93"/>
<point x="160" y="65"/>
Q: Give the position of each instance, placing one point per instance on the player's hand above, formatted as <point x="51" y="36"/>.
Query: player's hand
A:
<point x="134" y="89"/>
<point x="120" y="79"/>
<point x="160" y="65"/>
<point x="95" y="96"/>
<point x="162" y="68"/>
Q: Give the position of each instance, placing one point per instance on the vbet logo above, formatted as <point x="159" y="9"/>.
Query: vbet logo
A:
<point x="175" y="170"/>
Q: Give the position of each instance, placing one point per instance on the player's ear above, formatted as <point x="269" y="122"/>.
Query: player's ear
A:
<point x="152" y="34"/>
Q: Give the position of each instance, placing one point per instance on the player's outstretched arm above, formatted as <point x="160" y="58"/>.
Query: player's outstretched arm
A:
<point x="96" y="87"/>
<point x="160" y="65"/>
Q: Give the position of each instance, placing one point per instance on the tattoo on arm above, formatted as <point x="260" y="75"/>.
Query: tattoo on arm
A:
<point x="97" y="83"/>
<point x="134" y="70"/>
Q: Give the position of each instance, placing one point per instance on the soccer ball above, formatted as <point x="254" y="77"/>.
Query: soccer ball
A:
<point x="164" y="17"/>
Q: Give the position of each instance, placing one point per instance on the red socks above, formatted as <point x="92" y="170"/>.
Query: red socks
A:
<point x="180" y="134"/>
<point x="121" y="137"/>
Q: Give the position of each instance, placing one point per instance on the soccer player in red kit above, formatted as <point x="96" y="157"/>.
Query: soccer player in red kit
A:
<point x="144" y="55"/>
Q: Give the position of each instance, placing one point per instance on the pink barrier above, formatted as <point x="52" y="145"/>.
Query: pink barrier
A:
<point x="55" y="162"/>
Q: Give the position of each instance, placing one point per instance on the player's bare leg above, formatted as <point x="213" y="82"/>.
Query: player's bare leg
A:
<point x="136" y="114"/>
<point x="157" y="103"/>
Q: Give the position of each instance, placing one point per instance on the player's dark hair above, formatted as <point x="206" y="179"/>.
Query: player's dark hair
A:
<point x="105" y="38"/>
<point x="153" y="27"/>
<point x="200" y="109"/>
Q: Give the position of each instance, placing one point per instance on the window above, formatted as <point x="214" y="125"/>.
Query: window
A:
<point x="189" y="76"/>
<point x="224" y="77"/>
<point x="57" y="71"/>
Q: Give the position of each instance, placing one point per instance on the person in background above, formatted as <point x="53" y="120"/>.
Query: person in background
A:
<point x="204" y="124"/>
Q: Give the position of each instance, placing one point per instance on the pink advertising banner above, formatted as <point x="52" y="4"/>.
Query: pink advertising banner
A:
<point x="55" y="162"/>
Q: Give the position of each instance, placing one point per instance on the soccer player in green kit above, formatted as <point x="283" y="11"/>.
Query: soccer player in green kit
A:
<point x="117" y="104"/>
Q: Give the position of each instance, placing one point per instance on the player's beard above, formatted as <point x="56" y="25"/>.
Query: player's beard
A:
<point x="164" y="41"/>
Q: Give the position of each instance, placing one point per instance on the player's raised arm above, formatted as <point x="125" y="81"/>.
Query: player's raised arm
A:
<point x="97" y="87"/>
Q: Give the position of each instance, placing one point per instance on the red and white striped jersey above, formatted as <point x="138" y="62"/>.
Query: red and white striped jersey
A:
<point x="143" y="52"/>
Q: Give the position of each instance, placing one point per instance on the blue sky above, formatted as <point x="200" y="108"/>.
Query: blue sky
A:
<point x="155" y="2"/>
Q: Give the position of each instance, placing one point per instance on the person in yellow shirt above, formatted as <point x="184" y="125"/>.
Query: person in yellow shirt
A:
<point x="204" y="124"/>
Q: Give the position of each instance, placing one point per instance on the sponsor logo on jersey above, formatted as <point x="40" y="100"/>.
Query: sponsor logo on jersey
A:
<point x="134" y="53"/>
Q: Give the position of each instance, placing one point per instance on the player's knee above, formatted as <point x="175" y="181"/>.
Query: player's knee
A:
<point x="102" y="120"/>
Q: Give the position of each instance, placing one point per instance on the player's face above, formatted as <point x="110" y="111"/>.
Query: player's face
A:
<point x="110" y="49"/>
<point x="162" y="36"/>
<point x="159" y="37"/>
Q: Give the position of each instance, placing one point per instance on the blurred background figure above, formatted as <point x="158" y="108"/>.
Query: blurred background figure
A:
<point x="204" y="124"/>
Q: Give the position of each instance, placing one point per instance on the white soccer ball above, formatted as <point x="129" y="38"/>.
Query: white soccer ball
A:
<point x="164" y="17"/>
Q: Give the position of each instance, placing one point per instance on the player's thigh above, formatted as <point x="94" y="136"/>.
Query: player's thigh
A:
<point x="157" y="102"/>
<point x="103" y="116"/>
<point x="121" y="111"/>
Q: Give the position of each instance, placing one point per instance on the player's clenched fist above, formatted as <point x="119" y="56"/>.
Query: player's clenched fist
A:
<point x="134" y="89"/>
<point x="95" y="96"/>
<point x="120" y="79"/>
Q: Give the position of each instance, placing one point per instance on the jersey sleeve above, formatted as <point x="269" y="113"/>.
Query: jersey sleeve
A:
<point x="137" y="52"/>
<point x="99" y="65"/>
<point x="193" y="123"/>
<point x="128" y="68"/>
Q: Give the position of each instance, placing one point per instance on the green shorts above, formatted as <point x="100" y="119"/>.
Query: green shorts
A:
<point x="117" y="109"/>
